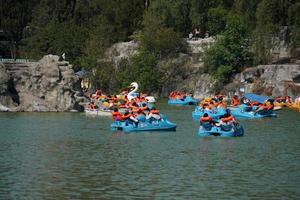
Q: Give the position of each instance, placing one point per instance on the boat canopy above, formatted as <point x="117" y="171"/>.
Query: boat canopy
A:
<point x="257" y="98"/>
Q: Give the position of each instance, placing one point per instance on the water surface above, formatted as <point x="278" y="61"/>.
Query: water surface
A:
<point x="71" y="156"/>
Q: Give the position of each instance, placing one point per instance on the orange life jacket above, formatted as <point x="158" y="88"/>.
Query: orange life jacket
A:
<point x="235" y="102"/>
<point x="270" y="107"/>
<point x="227" y="119"/>
<point x="154" y="112"/>
<point x="116" y="115"/>
<point x="205" y="119"/>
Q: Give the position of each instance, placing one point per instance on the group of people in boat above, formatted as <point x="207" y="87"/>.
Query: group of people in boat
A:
<point x="109" y="102"/>
<point x="226" y="119"/>
<point x="135" y="115"/>
<point x="124" y="110"/>
<point x="179" y="95"/>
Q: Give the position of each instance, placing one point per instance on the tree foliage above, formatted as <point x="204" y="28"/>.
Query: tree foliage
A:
<point x="84" y="29"/>
<point x="230" y="52"/>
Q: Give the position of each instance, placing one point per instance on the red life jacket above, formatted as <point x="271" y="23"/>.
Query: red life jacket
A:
<point x="116" y="115"/>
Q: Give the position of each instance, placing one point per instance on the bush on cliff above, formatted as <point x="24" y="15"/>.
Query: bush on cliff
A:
<point x="230" y="52"/>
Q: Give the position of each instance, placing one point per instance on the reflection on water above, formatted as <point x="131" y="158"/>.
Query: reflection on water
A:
<point x="71" y="156"/>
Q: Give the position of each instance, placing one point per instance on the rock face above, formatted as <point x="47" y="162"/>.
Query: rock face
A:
<point x="273" y="80"/>
<point x="186" y="72"/>
<point x="47" y="85"/>
<point x="121" y="50"/>
<point x="193" y="78"/>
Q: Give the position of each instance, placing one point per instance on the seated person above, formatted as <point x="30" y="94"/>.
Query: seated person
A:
<point x="117" y="116"/>
<point x="263" y="108"/>
<point x="228" y="119"/>
<point x="246" y="107"/>
<point x="206" y="119"/>
<point x="129" y="117"/>
<point x="153" y="114"/>
<point x="140" y="116"/>
<point x="235" y="101"/>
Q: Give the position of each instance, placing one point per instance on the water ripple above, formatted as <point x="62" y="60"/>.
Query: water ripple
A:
<point x="70" y="156"/>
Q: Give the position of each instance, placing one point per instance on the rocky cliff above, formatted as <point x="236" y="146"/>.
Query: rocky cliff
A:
<point x="272" y="80"/>
<point x="275" y="79"/>
<point x="47" y="85"/>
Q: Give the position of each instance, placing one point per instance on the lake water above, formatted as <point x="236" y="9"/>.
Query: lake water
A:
<point x="71" y="156"/>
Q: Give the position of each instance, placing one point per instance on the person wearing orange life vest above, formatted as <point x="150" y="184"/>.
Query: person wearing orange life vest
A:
<point x="129" y="117"/>
<point x="117" y="116"/>
<point x="206" y="119"/>
<point x="153" y="114"/>
<point x="262" y="107"/>
<point x="140" y="116"/>
<point x="270" y="106"/>
<point x="144" y="107"/>
<point x="228" y="119"/>
<point x="235" y="101"/>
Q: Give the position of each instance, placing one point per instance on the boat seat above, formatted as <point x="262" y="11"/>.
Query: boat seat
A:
<point x="206" y="125"/>
<point x="226" y="127"/>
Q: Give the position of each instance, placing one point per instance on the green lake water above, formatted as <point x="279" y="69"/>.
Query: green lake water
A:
<point x="72" y="156"/>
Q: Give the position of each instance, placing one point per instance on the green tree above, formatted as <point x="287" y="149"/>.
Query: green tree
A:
<point x="230" y="52"/>
<point x="14" y="16"/>
<point x="294" y="23"/>
<point x="216" y="20"/>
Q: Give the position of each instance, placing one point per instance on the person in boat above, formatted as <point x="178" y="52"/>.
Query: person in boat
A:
<point x="144" y="107"/>
<point x="235" y="101"/>
<point x="288" y="99"/>
<point x="228" y="119"/>
<point x="153" y="115"/>
<point x="212" y="106"/>
<point x="263" y="107"/>
<point x="206" y="119"/>
<point x="246" y="107"/>
<point x="129" y="117"/>
<point x="221" y="104"/>
<point x="270" y="106"/>
<point x="117" y="116"/>
<point x="140" y="116"/>
<point x="92" y="105"/>
<point x="218" y="97"/>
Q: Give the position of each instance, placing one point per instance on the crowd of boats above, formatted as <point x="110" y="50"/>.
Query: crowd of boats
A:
<point x="132" y="111"/>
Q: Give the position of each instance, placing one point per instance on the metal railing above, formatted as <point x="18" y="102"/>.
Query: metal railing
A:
<point x="4" y="60"/>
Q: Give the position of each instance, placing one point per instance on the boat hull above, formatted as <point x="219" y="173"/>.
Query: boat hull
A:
<point x="239" y="113"/>
<point x="97" y="112"/>
<point x="186" y="101"/>
<point x="219" y="131"/>
<point x="161" y="125"/>
<point x="198" y="112"/>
